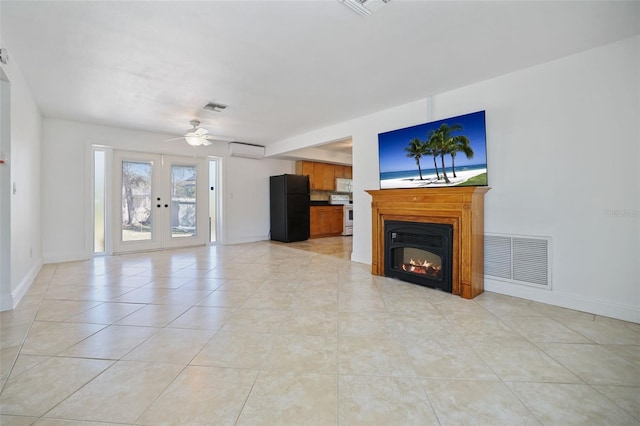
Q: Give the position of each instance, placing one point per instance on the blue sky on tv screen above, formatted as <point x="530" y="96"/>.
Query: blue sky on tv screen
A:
<point x="391" y="145"/>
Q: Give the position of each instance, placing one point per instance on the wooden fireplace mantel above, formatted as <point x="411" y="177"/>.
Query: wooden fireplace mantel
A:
<point x="461" y="207"/>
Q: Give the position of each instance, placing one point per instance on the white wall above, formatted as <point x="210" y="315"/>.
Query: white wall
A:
<point x="563" y="146"/>
<point x="247" y="197"/>
<point x="23" y="239"/>
<point x="67" y="194"/>
<point x="563" y="149"/>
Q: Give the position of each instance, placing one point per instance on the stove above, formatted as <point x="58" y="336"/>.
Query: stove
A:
<point x="339" y="199"/>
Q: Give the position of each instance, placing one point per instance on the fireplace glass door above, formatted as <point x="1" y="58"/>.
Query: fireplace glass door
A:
<point x="421" y="253"/>
<point x="418" y="262"/>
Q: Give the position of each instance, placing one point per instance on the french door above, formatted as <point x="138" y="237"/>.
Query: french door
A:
<point x="160" y="202"/>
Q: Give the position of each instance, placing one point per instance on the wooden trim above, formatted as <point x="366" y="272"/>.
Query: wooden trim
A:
<point x="461" y="207"/>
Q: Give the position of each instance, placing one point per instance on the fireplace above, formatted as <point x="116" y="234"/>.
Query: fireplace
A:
<point x="460" y="208"/>
<point x="420" y="253"/>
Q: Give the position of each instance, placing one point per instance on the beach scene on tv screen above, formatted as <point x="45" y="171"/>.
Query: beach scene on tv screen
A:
<point x="449" y="152"/>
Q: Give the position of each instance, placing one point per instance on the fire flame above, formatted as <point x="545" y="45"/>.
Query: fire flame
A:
<point x="422" y="268"/>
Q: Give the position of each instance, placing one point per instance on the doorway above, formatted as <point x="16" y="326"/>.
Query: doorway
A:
<point x="160" y="202"/>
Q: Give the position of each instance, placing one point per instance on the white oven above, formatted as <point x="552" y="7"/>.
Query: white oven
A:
<point x="347" y="227"/>
<point x="347" y="209"/>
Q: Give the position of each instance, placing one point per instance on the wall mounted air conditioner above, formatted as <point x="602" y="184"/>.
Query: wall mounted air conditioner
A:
<point x="246" y="150"/>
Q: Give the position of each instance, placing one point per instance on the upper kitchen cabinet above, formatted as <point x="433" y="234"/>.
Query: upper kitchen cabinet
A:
<point x="322" y="176"/>
<point x="305" y="168"/>
<point x="310" y="169"/>
<point x="343" y="172"/>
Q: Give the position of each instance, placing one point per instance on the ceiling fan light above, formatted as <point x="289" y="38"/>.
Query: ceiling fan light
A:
<point x="193" y="140"/>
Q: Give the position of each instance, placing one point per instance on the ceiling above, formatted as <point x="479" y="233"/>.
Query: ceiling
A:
<point x="282" y="67"/>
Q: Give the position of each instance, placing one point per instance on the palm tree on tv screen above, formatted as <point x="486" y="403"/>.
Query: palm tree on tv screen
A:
<point x="432" y="149"/>
<point x="440" y="146"/>
<point x="447" y="143"/>
<point x="462" y="144"/>
<point x="417" y="149"/>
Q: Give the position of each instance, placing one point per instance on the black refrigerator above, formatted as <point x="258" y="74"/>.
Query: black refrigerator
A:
<point x="289" y="208"/>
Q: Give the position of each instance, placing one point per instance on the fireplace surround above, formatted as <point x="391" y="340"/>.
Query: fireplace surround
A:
<point x="462" y="208"/>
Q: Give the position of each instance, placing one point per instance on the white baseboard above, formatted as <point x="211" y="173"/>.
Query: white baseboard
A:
<point x="356" y="258"/>
<point x="243" y="240"/>
<point x="22" y="288"/>
<point x="64" y="257"/>
<point x="565" y="300"/>
<point x="6" y="302"/>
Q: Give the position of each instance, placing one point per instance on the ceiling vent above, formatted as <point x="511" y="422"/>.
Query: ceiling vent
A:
<point x="246" y="150"/>
<point x="365" y="7"/>
<point x="212" y="106"/>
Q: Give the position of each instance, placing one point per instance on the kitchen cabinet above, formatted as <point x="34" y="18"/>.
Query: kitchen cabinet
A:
<point x="343" y="172"/>
<point x="305" y="168"/>
<point x="322" y="176"/>
<point x="326" y="221"/>
<point x="317" y="174"/>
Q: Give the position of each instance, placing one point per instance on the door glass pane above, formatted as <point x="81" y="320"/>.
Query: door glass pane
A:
<point x="183" y="201"/>
<point x="212" y="200"/>
<point x="98" y="201"/>
<point x="136" y="200"/>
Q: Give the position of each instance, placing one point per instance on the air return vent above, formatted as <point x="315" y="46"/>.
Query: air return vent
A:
<point x="518" y="259"/>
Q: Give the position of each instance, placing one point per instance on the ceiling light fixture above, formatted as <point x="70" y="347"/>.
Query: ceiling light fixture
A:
<point x="364" y="7"/>
<point x="197" y="136"/>
<point x="212" y="106"/>
<point x="194" y="140"/>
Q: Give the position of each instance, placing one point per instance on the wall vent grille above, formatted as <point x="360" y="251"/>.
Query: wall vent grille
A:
<point x="518" y="259"/>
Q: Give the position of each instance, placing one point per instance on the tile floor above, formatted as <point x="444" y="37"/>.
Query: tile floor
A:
<point x="290" y="334"/>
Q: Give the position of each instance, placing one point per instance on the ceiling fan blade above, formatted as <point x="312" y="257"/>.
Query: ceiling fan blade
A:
<point x="201" y="132"/>
<point x="206" y="142"/>
<point x="174" y="139"/>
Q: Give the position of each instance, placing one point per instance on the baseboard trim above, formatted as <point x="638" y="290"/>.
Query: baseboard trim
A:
<point x="24" y="285"/>
<point x="68" y="257"/>
<point x="566" y="300"/>
<point x="244" y="240"/>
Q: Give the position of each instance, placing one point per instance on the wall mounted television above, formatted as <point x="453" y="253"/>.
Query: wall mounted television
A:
<point x="449" y="152"/>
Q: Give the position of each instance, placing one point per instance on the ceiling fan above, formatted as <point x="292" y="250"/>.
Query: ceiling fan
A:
<point x="198" y="136"/>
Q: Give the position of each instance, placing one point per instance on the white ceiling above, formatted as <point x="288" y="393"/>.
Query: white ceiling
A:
<point x="282" y="67"/>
